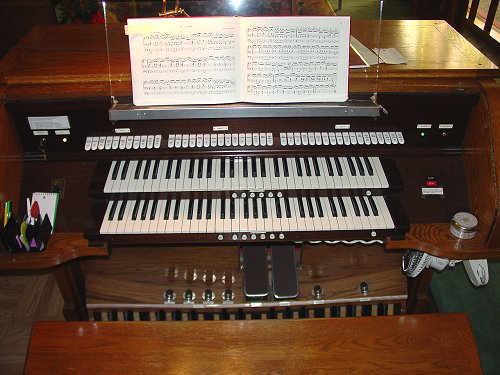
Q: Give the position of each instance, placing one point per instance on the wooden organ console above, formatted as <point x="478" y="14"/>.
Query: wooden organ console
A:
<point x="251" y="211"/>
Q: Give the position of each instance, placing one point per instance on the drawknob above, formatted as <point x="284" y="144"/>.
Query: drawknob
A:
<point x="228" y="295"/>
<point x="208" y="295"/>
<point x="188" y="296"/>
<point x="317" y="292"/>
<point x="363" y="287"/>
<point x="169" y="296"/>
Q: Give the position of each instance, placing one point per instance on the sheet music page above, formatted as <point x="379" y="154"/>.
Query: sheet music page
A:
<point x="184" y="60"/>
<point x="295" y="59"/>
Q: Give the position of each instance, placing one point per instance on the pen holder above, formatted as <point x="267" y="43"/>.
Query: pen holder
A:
<point x="17" y="236"/>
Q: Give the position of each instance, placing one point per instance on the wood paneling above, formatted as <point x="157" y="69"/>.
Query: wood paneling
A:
<point x="430" y="344"/>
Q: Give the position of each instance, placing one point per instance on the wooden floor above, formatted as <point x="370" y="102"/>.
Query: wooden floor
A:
<point x="24" y="299"/>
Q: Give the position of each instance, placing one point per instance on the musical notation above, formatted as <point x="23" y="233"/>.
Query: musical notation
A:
<point x="291" y="90"/>
<point x="178" y="42"/>
<point x="314" y="34"/>
<point x="189" y="64"/>
<point x="296" y="61"/>
<point x="191" y="86"/>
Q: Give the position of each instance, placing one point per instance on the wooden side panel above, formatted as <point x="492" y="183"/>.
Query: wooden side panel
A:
<point x="487" y="203"/>
<point x="11" y="163"/>
<point x="479" y="162"/>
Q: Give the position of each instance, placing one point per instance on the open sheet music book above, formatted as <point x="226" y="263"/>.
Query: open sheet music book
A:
<point x="215" y="60"/>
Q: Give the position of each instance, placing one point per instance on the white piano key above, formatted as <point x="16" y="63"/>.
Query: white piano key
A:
<point x="235" y="223"/>
<point x="105" y="222"/>
<point x="379" y="171"/>
<point x="136" y="224"/>
<point x="365" y="221"/>
<point x="276" y="224"/>
<point x="203" y="186"/>
<point x="129" y="224"/>
<point x="203" y="222"/>
<point x="120" y="228"/>
<point x="146" y="222"/>
<point x="351" y="224"/>
<point x="384" y="211"/>
<point x="282" y="180"/>
<point x="195" y="181"/>
<point x="179" y="225"/>
<point x="170" y="222"/>
<point x="155" y="184"/>
<point x="108" y="186"/>
<point x="243" y="220"/>
<point x="329" y="221"/>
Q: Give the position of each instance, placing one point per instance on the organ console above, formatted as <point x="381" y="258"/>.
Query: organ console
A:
<point x="251" y="211"/>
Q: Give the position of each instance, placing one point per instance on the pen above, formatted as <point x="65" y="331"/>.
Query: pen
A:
<point x="6" y="213"/>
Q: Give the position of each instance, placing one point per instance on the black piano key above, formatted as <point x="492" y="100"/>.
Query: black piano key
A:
<point x="178" y="169"/>
<point x="373" y="205"/>
<point x="154" y="206"/>
<point x="302" y="212"/>
<point x="310" y="207"/>
<point x="156" y="166"/>
<point x="177" y="209"/>
<point x="136" y="209"/>
<point x="222" y="173"/>
<point x="116" y="168"/>
<point x="146" y="170"/>
<point x="316" y="166"/>
<point x="364" y="206"/>
<point x="121" y="212"/>
<point x="255" y="208"/>
<point x="232" y="212"/>
<point x="208" y="215"/>
<point x="254" y="167"/>
<point x="231" y="168"/>
<point x="223" y="208"/>
<point x="307" y="166"/>
<point x="340" y="172"/>
<point x="190" y="209"/>
<point x="144" y="210"/>
<point x="276" y="167"/>
<point x="245" y="166"/>
<point x="279" y="214"/>
<point x="168" y="174"/>
<point x="124" y="170"/>
<point x="246" y="210"/>
<point x="329" y="166"/>
<point x="264" y="208"/>
<point x="361" y="169"/>
<point x="263" y="172"/>
<point x="319" y="207"/>
<point x="355" y="207"/>
<point x="113" y="210"/>
<point x="191" y="168"/>
<point x="166" y="213"/>
<point x="369" y="166"/>
<point x="137" y="172"/>
<point x="333" y="206"/>
<point x="286" y="172"/>
<point x="343" y="210"/>
<point x="199" y="211"/>
<point x="288" y="211"/>
<point x="350" y="163"/>
<point x="298" y="166"/>
<point x="199" y="173"/>
<point x="209" y="168"/>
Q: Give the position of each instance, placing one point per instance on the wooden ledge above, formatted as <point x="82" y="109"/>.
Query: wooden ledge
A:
<point x="62" y="248"/>
<point x="436" y="239"/>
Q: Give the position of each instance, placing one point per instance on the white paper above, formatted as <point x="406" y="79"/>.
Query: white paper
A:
<point x="184" y="60"/>
<point x="390" y="56"/>
<point x="216" y="60"/>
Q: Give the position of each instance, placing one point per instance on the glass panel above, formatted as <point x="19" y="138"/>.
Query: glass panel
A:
<point x="365" y="30"/>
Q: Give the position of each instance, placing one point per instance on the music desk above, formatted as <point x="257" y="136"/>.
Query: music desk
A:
<point x="412" y="344"/>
